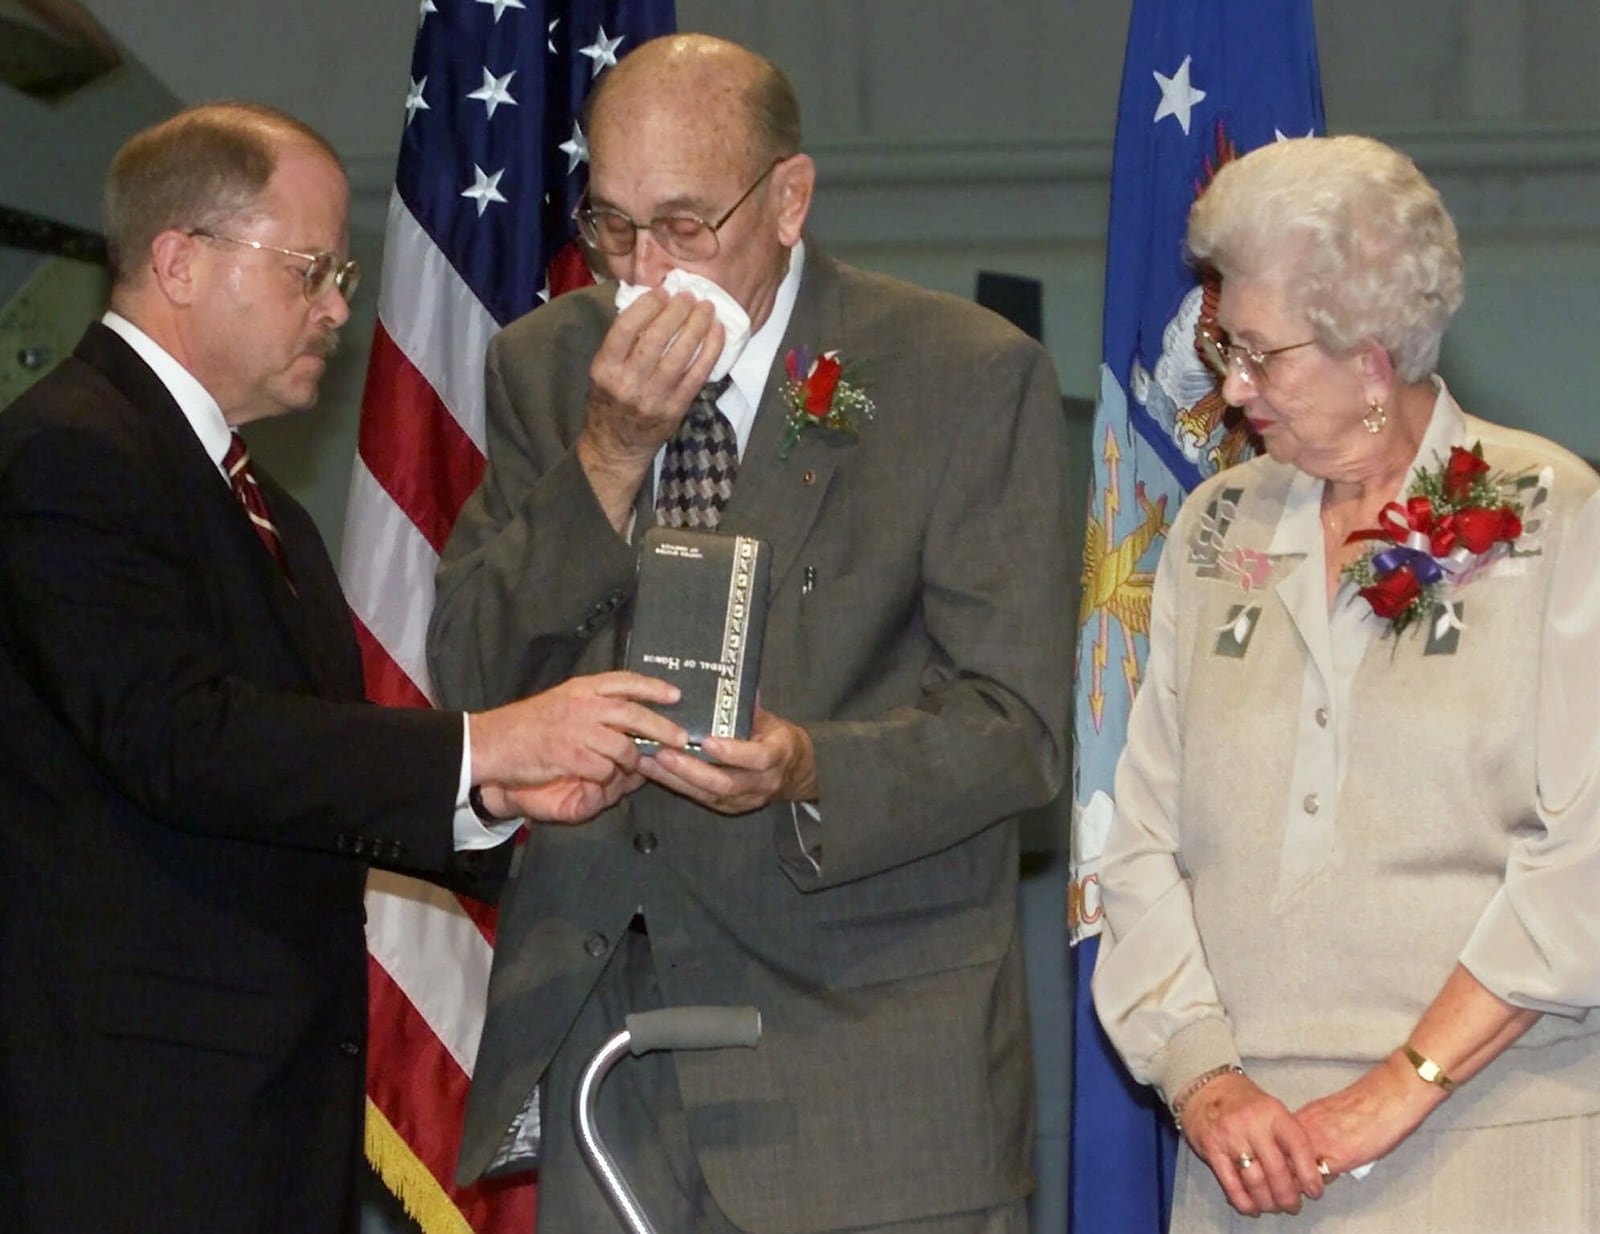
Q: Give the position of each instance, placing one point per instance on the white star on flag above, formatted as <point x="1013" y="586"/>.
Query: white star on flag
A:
<point x="483" y="189"/>
<point x="500" y="6"/>
<point x="602" y="52"/>
<point x="551" y="31"/>
<point x="1279" y="135"/>
<point x="423" y="10"/>
<point x="576" y="148"/>
<point x="493" y="92"/>
<point x="1178" y="97"/>
<point x="414" y="100"/>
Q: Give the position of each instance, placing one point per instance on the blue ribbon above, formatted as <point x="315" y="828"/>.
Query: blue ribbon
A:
<point x="1427" y="570"/>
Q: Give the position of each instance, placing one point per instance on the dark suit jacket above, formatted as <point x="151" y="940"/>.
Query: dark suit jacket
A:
<point x="929" y="662"/>
<point x="189" y="794"/>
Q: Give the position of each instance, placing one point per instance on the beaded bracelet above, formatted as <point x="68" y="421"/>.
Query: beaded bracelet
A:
<point x="1195" y="1085"/>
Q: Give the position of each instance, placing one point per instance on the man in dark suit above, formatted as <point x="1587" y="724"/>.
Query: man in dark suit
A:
<point x="850" y="869"/>
<point x="190" y="787"/>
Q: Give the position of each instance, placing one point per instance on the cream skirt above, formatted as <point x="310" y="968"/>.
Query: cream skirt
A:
<point x="1523" y="1178"/>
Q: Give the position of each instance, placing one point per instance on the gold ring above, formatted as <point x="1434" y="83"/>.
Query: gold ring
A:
<point x="1244" y="1161"/>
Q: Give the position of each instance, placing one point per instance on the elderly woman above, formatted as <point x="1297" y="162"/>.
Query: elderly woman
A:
<point x="1351" y="890"/>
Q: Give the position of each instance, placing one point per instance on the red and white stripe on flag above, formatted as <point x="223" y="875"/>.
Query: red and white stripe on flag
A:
<point x="491" y="165"/>
<point x="420" y="455"/>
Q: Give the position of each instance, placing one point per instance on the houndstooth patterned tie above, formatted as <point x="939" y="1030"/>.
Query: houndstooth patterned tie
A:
<point x="699" y="466"/>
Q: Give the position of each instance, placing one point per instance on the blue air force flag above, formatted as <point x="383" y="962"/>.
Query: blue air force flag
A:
<point x="1203" y="80"/>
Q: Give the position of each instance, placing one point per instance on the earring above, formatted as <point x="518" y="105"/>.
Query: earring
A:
<point x="1375" y="418"/>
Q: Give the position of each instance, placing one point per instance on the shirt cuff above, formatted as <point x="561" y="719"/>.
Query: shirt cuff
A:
<point x="467" y="829"/>
<point x="1192" y="1051"/>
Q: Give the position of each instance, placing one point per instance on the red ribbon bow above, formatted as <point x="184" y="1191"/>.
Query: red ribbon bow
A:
<point x="1476" y="529"/>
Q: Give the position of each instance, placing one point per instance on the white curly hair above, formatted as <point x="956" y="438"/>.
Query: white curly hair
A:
<point x="1360" y="242"/>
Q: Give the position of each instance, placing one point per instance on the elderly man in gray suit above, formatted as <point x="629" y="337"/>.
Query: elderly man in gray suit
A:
<point x="850" y="869"/>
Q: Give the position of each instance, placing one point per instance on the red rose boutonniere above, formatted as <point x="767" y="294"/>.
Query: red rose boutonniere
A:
<point x="820" y="394"/>
<point x="1456" y="519"/>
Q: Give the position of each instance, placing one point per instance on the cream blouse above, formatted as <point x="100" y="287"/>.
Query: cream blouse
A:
<point x="1315" y="819"/>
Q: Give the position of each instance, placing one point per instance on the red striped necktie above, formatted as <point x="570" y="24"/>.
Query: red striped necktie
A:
<point x="236" y="462"/>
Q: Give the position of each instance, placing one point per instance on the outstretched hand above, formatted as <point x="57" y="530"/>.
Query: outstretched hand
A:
<point x="569" y="752"/>
<point x="568" y="800"/>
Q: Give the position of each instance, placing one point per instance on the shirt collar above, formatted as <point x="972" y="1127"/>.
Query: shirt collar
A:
<point x="193" y="399"/>
<point x="750" y="370"/>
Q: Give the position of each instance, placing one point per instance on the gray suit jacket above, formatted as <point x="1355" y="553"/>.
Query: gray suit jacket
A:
<point x="930" y="664"/>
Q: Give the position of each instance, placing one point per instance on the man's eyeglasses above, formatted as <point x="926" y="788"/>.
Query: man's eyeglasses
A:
<point x="688" y="237"/>
<point x="324" y="270"/>
<point x="1223" y="355"/>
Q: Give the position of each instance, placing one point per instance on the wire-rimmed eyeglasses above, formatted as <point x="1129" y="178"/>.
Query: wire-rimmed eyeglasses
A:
<point x="688" y="237"/>
<point x="1224" y="356"/>
<point x="323" y="270"/>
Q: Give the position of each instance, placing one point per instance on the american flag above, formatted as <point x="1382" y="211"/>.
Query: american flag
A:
<point x="1201" y="80"/>
<point x="492" y="162"/>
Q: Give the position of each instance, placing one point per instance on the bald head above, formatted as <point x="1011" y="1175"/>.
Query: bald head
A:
<point x="697" y="127"/>
<point x="731" y="97"/>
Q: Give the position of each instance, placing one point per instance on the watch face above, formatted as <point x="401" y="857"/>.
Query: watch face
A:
<point x="1428" y="1070"/>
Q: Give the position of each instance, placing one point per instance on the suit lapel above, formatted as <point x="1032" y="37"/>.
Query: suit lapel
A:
<point x="196" y="473"/>
<point x="316" y="614"/>
<point x="779" y="499"/>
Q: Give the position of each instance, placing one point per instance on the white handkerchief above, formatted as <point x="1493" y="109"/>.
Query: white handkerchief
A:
<point x="735" y="321"/>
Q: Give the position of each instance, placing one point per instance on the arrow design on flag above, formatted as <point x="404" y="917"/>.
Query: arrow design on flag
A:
<point x="1112" y="586"/>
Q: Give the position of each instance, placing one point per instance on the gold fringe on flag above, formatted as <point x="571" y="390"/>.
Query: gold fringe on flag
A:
<point x="410" y="1181"/>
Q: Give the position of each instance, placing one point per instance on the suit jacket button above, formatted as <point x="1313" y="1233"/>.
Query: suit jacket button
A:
<point x="349" y="1047"/>
<point x="596" y="945"/>
<point x="809" y="478"/>
<point x="645" y="842"/>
